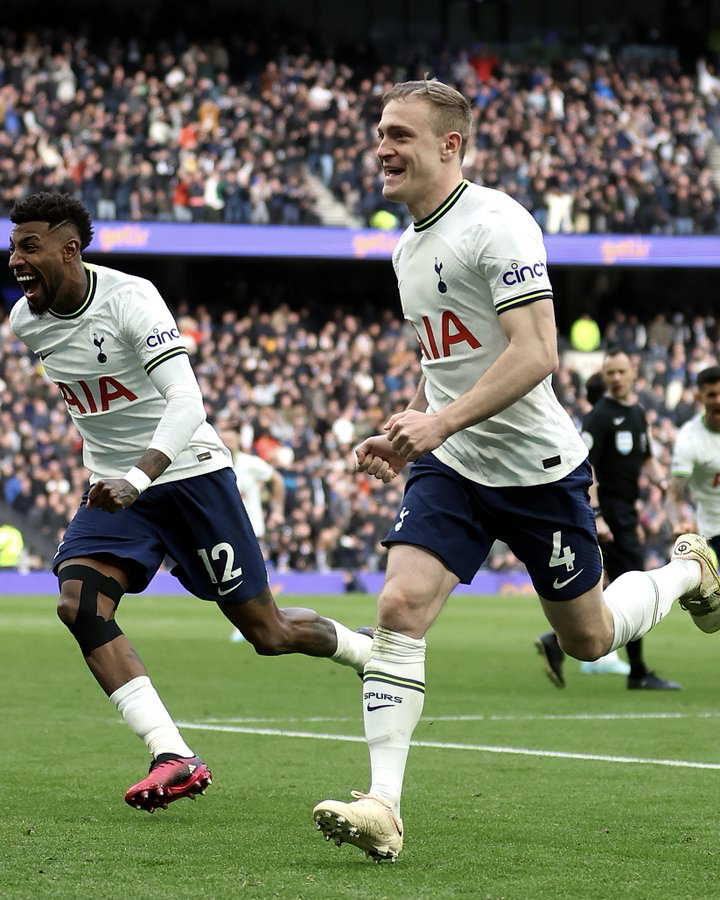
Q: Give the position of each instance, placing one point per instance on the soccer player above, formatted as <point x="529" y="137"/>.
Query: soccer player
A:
<point x="494" y="454"/>
<point x="696" y="466"/>
<point x="616" y="433"/>
<point x="161" y="481"/>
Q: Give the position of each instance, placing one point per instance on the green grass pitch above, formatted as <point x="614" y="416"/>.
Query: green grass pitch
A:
<point x="515" y="790"/>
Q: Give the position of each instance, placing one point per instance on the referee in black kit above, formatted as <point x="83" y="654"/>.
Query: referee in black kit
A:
<point x="615" y="431"/>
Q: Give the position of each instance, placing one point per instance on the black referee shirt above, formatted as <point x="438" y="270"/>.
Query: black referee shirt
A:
<point x="617" y="438"/>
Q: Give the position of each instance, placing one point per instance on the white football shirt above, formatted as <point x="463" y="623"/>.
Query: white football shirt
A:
<point x="100" y="357"/>
<point x="696" y="456"/>
<point x="252" y="472"/>
<point x="478" y="255"/>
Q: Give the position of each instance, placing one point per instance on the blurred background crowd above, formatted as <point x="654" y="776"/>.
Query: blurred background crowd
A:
<point x="300" y="387"/>
<point x="266" y="123"/>
<point x="265" y="127"/>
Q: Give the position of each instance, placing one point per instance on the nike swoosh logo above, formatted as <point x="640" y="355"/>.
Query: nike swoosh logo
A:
<point x="233" y="588"/>
<point x="382" y="706"/>
<point x="45" y="354"/>
<point x="619" y="421"/>
<point x="561" y="584"/>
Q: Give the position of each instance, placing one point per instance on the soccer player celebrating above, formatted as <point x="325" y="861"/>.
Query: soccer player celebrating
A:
<point x="494" y="454"/>
<point x="695" y="467"/>
<point x="161" y="481"/>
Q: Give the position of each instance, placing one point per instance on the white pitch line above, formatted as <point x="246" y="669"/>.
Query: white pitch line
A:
<point x="604" y="717"/>
<point x="439" y="745"/>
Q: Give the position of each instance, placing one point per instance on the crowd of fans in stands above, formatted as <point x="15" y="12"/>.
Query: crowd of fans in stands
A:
<point x="301" y="391"/>
<point x="228" y="130"/>
<point x="235" y="130"/>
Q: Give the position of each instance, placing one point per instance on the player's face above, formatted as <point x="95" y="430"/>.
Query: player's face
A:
<point x="36" y="258"/>
<point x="619" y="376"/>
<point x="410" y="152"/>
<point x="709" y="396"/>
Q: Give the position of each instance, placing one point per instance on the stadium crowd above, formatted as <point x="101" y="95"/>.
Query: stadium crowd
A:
<point x="301" y="388"/>
<point x="227" y="130"/>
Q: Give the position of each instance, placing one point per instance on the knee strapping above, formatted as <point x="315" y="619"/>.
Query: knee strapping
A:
<point x="89" y="629"/>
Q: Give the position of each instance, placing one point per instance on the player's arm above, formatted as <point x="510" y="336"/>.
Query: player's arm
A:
<point x="675" y="504"/>
<point x="655" y="471"/>
<point x="604" y="532"/>
<point x="175" y="380"/>
<point x="530" y="356"/>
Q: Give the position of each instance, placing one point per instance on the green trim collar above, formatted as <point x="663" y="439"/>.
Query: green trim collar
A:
<point x="444" y="207"/>
<point x="89" y="296"/>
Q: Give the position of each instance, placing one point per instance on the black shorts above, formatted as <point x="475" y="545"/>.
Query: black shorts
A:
<point x="549" y="527"/>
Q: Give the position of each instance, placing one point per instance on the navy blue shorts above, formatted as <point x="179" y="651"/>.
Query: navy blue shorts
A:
<point x="199" y="522"/>
<point x="549" y="527"/>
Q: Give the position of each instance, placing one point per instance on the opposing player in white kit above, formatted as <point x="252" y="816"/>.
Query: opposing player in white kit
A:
<point x="494" y="454"/>
<point x="696" y="466"/>
<point x="161" y="480"/>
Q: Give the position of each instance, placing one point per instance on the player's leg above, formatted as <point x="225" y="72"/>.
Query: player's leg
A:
<point x="416" y="586"/>
<point x="90" y="591"/>
<point x="596" y="622"/>
<point x="99" y="558"/>
<point x="274" y="631"/>
<point x="624" y="554"/>
<point x="206" y="530"/>
<point x="552" y="530"/>
<point x="615" y="562"/>
<point x="441" y="510"/>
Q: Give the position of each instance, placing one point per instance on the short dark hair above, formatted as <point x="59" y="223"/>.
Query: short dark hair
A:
<point x="616" y="350"/>
<point x="55" y="209"/>
<point x="711" y="375"/>
<point x="594" y="387"/>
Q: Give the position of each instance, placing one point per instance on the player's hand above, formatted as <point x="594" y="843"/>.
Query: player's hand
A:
<point x="376" y="457"/>
<point x="111" y="495"/>
<point x="413" y="433"/>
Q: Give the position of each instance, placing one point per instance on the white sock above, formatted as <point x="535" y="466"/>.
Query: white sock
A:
<point x="393" y="697"/>
<point x="612" y="656"/>
<point x="353" y="649"/>
<point x="140" y="705"/>
<point x="638" y="600"/>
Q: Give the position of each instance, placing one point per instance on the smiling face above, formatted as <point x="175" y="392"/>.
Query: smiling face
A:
<point x="421" y="167"/>
<point x="39" y="257"/>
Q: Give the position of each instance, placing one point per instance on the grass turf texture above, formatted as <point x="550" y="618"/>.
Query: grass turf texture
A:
<point x="478" y="823"/>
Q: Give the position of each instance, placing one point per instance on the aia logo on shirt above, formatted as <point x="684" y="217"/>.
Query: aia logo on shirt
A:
<point x="82" y="398"/>
<point x="439" y="340"/>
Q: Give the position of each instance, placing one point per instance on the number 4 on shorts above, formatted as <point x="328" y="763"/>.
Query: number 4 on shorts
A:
<point x="561" y="557"/>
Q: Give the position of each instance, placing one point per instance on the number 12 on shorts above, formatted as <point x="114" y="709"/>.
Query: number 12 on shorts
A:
<point x="221" y="549"/>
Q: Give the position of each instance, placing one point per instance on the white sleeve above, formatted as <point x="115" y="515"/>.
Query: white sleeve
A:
<point x="682" y="463"/>
<point x="149" y="327"/>
<point x="511" y="255"/>
<point x="185" y="411"/>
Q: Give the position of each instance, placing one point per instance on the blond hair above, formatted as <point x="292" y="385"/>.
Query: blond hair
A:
<point x="451" y="108"/>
